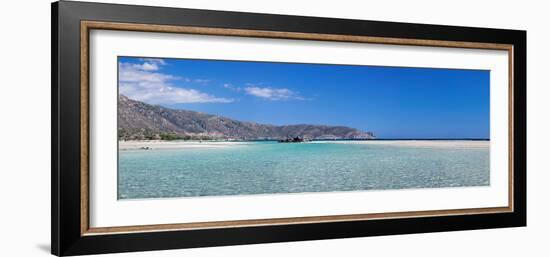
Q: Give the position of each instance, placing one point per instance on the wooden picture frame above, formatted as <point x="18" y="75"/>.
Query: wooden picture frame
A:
<point x="71" y="25"/>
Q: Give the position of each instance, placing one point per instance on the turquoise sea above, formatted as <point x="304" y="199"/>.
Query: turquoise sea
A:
<point x="271" y="167"/>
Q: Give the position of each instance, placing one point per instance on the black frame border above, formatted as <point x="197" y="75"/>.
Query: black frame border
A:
<point x="66" y="238"/>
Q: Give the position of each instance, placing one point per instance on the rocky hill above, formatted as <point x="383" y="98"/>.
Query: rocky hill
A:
<point x="141" y="121"/>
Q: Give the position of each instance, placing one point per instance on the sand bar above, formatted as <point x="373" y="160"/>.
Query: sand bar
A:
<point x="158" y="144"/>
<point x="420" y="143"/>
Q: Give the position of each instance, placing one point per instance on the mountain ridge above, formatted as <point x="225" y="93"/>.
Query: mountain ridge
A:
<point x="141" y="121"/>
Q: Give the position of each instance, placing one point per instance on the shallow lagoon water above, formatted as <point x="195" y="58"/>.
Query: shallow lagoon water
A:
<point x="271" y="167"/>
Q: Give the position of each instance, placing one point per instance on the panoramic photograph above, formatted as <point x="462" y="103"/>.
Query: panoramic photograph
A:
<point x="207" y="128"/>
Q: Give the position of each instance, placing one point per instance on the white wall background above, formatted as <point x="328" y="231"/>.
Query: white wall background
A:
<point x="25" y="127"/>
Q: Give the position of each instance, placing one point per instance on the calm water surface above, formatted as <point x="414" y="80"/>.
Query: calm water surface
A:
<point x="270" y="167"/>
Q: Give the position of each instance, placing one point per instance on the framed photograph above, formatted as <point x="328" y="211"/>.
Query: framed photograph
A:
<point x="178" y="128"/>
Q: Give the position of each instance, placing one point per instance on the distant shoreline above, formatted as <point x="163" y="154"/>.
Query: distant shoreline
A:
<point x="416" y="143"/>
<point x="275" y="140"/>
<point x="174" y="144"/>
<point x="431" y="139"/>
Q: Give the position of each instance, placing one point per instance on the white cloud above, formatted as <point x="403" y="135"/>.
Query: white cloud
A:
<point x="141" y="82"/>
<point x="231" y="87"/>
<point x="147" y="66"/>
<point x="157" y="61"/>
<point x="201" y="81"/>
<point x="273" y="94"/>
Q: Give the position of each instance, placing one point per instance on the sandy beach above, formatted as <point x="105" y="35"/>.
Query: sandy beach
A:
<point x="420" y="143"/>
<point x="158" y="144"/>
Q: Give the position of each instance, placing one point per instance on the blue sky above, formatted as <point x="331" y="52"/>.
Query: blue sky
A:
<point x="392" y="102"/>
